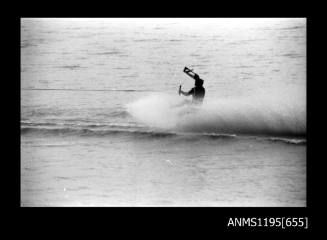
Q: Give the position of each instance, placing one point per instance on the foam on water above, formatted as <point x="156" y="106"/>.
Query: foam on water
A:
<point x="258" y="115"/>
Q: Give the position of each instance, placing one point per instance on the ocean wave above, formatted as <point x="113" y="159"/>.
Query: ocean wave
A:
<point x="289" y="140"/>
<point x="292" y="55"/>
<point x="253" y="116"/>
<point x="147" y="40"/>
<point x="69" y="131"/>
<point x="66" y="116"/>
<point x="137" y="132"/>
<point x="167" y="116"/>
<point x="77" y="124"/>
<point x="113" y="52"/>
<point x="71" y="67"/>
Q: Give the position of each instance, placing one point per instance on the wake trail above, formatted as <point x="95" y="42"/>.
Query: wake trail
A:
<point x="259" y="115"/>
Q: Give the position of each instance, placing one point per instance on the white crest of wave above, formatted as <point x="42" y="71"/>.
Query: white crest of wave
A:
<point x="259" y="114"/>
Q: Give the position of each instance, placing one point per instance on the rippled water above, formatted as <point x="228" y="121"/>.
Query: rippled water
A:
<point x="83" y="145"/>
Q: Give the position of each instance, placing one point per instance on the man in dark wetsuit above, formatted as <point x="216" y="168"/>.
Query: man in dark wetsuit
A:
<point x="197" y="92"/>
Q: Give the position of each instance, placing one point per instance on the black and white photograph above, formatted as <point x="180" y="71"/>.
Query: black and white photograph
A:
<point x="163" y="112"/>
